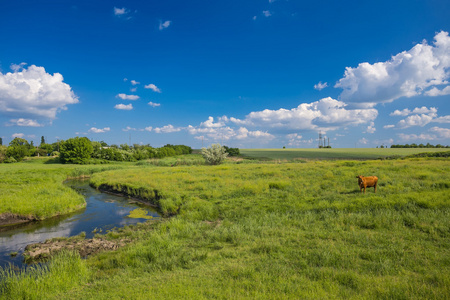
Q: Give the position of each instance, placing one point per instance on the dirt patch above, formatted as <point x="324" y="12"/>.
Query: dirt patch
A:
<point x="8" y="219"/>
<point x="43" y="251"/>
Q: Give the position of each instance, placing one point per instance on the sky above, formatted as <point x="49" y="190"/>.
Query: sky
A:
<point x="242" y="73"/>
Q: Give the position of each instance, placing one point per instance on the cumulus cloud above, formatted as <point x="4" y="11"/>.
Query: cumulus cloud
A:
<point x="24" y="122"/>
<point x="124" y="107"/>
<point x="388" y="126"/>
<point x="33" y="92"/>
<point x="441" y="132"/>
<point x="149" y="128"/>
<point x="266" y="13"/>
<point x="416" y="120"/>
<point x="128" y="128"/>
<point x="410" y="73"/>
<point x="167" y="129"/>
<point x="153" y="87"/>
<point x="371" y="128"/>
<point x="164" y="25"/>
<point x="419" y="116"/>
<point x="325" y="114"/>
<point x="18" y="135"/>
<point x="152" y="104"/>
<point x="418" y="110"/>
<point x="120" y="11"/>
<point x="99" y="130"/>
<point x="320" y="86"/>
<point x="127" y="97"/>
<point x="134" y="82"/>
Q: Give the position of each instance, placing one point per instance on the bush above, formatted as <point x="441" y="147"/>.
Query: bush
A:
<point x="232" y="151"/>
<point x="76" y="150"/>
<point x="214" y="155"/>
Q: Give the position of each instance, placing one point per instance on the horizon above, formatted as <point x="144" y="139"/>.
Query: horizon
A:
<point x="255" y="75"/>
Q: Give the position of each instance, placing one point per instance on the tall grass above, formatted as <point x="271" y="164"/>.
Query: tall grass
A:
<point x="61" y="274"/>
<point x="277" y="231"/>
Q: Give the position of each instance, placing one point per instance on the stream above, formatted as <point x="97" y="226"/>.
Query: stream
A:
<point x="103" y="212"/>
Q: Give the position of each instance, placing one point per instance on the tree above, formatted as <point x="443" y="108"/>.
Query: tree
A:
<point x="76" y="150"/>
<point x="1" y="141"/>
<point x="214" y="155"/>
<point x="42" y="140"/>
<point x="19" y="142"/>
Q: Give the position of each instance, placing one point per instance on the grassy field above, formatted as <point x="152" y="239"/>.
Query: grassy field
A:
<point x="267" y="231"/>
<point x="333" y="153"/>
<point x="35" y="189"/>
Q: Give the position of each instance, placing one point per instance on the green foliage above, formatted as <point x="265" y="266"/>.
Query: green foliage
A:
<point x="214" y="155"/>
<point x="76" y="150"/>
<point x="17" y="152"/>
<point x="19" y="142"/>
<point x="2" y="153"/>
<point x="232" y="151"/>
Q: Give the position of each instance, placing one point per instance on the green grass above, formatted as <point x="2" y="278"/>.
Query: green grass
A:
<point x="271" y="231"/>
<point x="35" y="188"/>
<point x="333" y="153"/>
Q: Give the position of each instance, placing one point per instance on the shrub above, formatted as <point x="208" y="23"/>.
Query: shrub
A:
<point x="214" y="155"/>
<point x="76" y="150"/>
<point x="232" y="151"/>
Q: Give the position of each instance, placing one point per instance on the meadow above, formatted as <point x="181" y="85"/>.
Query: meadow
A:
<point x="265" y="230"/>
<point x="333" y="153"/>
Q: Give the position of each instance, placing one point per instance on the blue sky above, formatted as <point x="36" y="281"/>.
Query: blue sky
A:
<point x="248" y="74"/>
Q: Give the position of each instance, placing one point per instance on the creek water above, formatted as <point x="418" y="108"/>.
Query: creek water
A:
<point x="103" y="212"/>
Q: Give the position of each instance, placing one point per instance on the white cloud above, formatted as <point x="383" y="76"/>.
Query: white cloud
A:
<point x="124" y="107"/>
<point x="134" y="82"/>
<point x="153" y="87"/>
<point x="128" y="128"/>
<point x="266" y="13"/>
<point x="444" y="119"/>
<point x="407" y="74"/>
<point x="416" y="120"/>
<point x="414" y="137"/>
<point x="371" y="128"/>
<point x="167" y="129"/>
<point x="210" y="123"/>
<point x="164" y="25"/>
<point x="418" y="110"/>
<point x="325" y="114"/>
<point x="18" y="135"/>
<point x="120" y="11"/>
<point x="133" y="89"/>
<point x="24" y="122"/>
<point x="254" y="18"/>
<point x="99" y="130"/>
<point x="363" y="141"/>
<point x="388" y="126"/>
<point x="442" y="132"/>
<point x="127" y="97"/>
<point x="152" y="104"/>
<point x="33" y="92"/>
<point x="149" y="128"/>
<point x="320" y="86"/>
<point x="437" y="92"/>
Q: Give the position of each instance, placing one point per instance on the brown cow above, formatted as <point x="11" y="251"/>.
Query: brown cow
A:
<point x="364" y="182"/>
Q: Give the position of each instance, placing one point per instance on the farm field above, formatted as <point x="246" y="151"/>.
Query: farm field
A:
<point x="263" y="230"/>
<point x="333" y="153"/>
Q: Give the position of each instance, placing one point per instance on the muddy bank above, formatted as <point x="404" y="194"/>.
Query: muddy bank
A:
<point x="85" y="247"/>
<point x="138" y="195"/>
<point x="9" y="219"/>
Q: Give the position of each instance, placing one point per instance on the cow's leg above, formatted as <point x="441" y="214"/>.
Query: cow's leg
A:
<point x="375" y="187"/>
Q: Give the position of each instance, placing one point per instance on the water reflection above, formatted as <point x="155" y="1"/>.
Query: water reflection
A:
<point x="103" y="211"/>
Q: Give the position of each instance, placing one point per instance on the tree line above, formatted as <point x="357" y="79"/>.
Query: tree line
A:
<point x="428" y="145"/>
<point x="81" y="150"/>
